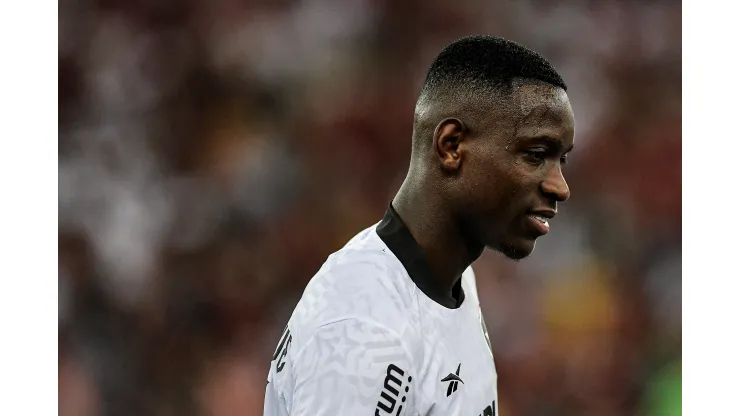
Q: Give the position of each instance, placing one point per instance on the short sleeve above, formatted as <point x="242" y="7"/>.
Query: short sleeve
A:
<point x="352" y="367"/>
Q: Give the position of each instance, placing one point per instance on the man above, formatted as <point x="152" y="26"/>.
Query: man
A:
<point x="391" y="324"/>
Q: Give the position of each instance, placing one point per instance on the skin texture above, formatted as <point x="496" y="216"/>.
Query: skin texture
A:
<point x="478" y="167"/>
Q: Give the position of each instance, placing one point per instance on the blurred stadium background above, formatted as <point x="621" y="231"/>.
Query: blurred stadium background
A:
<point x="212" y="153"/>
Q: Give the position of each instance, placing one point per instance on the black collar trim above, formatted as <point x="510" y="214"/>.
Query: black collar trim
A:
<point x="398" y="238"/>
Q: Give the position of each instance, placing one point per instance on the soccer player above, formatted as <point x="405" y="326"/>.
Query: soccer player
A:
<point x="391" y="323"/>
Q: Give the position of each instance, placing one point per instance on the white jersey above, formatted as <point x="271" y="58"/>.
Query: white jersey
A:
<point x="368" y="337"/>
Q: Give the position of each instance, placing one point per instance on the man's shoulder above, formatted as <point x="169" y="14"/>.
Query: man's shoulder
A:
<point x="362" y="281"/>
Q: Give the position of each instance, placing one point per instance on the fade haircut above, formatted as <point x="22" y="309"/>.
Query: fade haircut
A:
<point x="473" y="73"/>
<point x="488" y="62"/>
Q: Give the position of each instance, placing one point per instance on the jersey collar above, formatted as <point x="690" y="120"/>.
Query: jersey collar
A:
<point x="394" y="233"/>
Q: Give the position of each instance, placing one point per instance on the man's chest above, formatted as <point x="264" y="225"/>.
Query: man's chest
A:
<point x="459" y="373"/>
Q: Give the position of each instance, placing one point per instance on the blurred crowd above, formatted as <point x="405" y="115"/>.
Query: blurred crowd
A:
<point x="213" y="153"/>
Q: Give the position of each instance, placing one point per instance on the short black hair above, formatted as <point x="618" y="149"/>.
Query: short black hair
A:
<point x="488" y="62"/>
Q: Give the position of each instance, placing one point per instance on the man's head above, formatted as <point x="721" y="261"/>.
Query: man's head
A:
<point x="492" y="128"/>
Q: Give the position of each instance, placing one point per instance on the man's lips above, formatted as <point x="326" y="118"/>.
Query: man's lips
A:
<point x="539" y="219"/>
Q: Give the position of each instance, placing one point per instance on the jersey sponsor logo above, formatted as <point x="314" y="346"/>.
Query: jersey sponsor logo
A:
<point x="393" y="386"/>
<point x="453" y="379"/>
<point x="282" y="349"/>
<point x="490" y="410"/>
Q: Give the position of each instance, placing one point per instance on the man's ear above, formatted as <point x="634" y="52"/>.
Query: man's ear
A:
<point x="447" y="137"/>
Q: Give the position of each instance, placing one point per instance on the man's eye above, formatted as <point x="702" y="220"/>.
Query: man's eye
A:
<point x="535" y="156"/>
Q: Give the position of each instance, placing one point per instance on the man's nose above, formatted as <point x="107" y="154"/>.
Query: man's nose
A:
<point x="555" y="186"/>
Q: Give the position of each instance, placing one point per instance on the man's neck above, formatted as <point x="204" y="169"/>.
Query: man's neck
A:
<point x="437" y="233"/>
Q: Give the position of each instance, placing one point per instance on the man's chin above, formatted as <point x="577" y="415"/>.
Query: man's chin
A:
<point x="516" y="251"/>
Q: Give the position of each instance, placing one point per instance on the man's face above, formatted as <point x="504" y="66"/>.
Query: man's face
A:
<point x="511" y="178"/>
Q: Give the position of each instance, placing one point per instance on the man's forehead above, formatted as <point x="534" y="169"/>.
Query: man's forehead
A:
<point x="539" y="98"/>
<point x="542" y="104"/>
<point x="542" y="110"/>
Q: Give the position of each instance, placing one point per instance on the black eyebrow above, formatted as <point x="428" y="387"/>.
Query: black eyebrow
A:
<point x="550" y="140"/>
